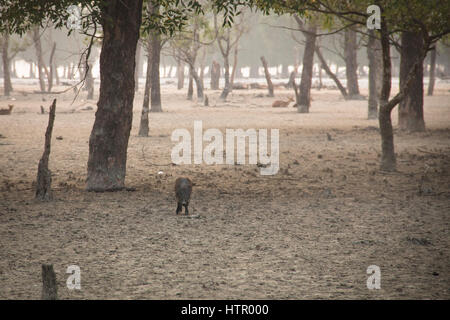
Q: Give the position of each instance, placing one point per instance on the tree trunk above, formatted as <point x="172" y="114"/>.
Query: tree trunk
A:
<point x="235" y="62"/>
<point x="215" y="75"/>
<point x="144" y="127"/>
<point x="373" y="92"/>
<point x="432" y="72"/>
<point x="180" y="73"/>
<point x="227" y="88"/>
<point x="89" y="81"/>
<point x="138" y="70"/>
<point x="44" y="175"/>
<point x="32" y="74"/>
<point x="190" y="92"/>
<point x="49" y="283"/>
<point x="410" y="112"/>
<point x="198" y="83"/>
<point x="330" y="73"/>
<point x="52" y="68"/>
<point x="155" y="97"/>
<point x="268" y="78"/>
<point x="40" y="60"/>
<point x="7" y="86"/>
<point x="351" y="63"/>
<point x="108" y="142"/>
<point x="308" y="59"/>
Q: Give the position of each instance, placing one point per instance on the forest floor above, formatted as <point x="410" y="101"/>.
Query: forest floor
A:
<point x="308" y="232"/>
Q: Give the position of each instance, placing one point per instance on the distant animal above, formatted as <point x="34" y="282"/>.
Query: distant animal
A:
<point x="183" y="190"/>
<point x="6" y="111"/>
<point x="281" y="103"/>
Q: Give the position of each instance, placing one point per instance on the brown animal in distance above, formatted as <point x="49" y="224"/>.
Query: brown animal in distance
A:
<point x="183" y="190"/>
<point x="281" y="103"/>
<point x="7" y="111"/>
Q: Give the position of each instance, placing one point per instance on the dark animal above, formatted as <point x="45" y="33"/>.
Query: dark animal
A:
<point x="183" y="190"/>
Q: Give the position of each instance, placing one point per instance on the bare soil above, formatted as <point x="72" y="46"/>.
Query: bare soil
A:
<point x="309" y="232"/>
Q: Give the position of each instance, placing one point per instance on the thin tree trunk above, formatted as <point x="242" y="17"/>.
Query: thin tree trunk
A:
<point x="227" y="88"/>
<point x="7" y="86"/>
<point x="89" y="81"/>
<point x="44" y="175"/>
<point x="144" y="124"/>
<point x="308" y="59"/>
<point x="268" y="78"/>
<point x="198" y="84"/>
<point x="215" y="75"/>
<point x="235" y="62"/>
<point x="180" y="73"/>
<point x="52" y="68"/>
<point x="137" y="70"/>
<point x="373" y="93"/>
<point x="190" y="92"/>
<point x="49" y="283"/>
<point x="432" y="71"/>
<point x="330" y="73"/>
<point x="108" y="142"/>
<point x="155" y="97"/>
<point x="351" y="63"/>
<point x="410" y="111"/>
<point x="40" y="60"/>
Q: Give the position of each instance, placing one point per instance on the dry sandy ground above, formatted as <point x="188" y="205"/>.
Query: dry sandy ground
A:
<point x="309" y="232"/>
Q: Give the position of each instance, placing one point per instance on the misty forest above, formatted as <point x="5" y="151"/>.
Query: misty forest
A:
<point x="229" y="149"/>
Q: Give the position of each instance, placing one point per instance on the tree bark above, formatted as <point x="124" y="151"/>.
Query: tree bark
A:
<point x="351" y="63"/>
<point x="44" y="175"/>
<point x="7" y="86"/>
<point x="268" y="78"/>
<point x="40" y="60"/>
<point x="373" y="66"/>
<point x="432" y="71"/>
<point x="308" y="59"/>
<point x="144" y="124"/>
<point x="198" y="83"/>
<point x="410" y="111"/>
<point x="235" y="62"/>
<point x="108" y="142"/>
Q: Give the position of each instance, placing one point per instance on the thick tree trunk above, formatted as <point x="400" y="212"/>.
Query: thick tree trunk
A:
<point x="144" y="127"/>
<point x="432" y="71"/>
<point x="108" y="142"/>
<point x="268" y="78"/>
<point x="7" y="86"/>
<point x="155" y="97"/>
<point x="330" y="73"/>
<point x="215" y="75"/>
<point x="373" y="66"/>
<point x="410" y="111"/>
<point x="52" y="68"/>
<point x="40" y="60"/>
<point x="306" y="80"/>
<point x="138" y="69"/>
<point x="351" y="63"/>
